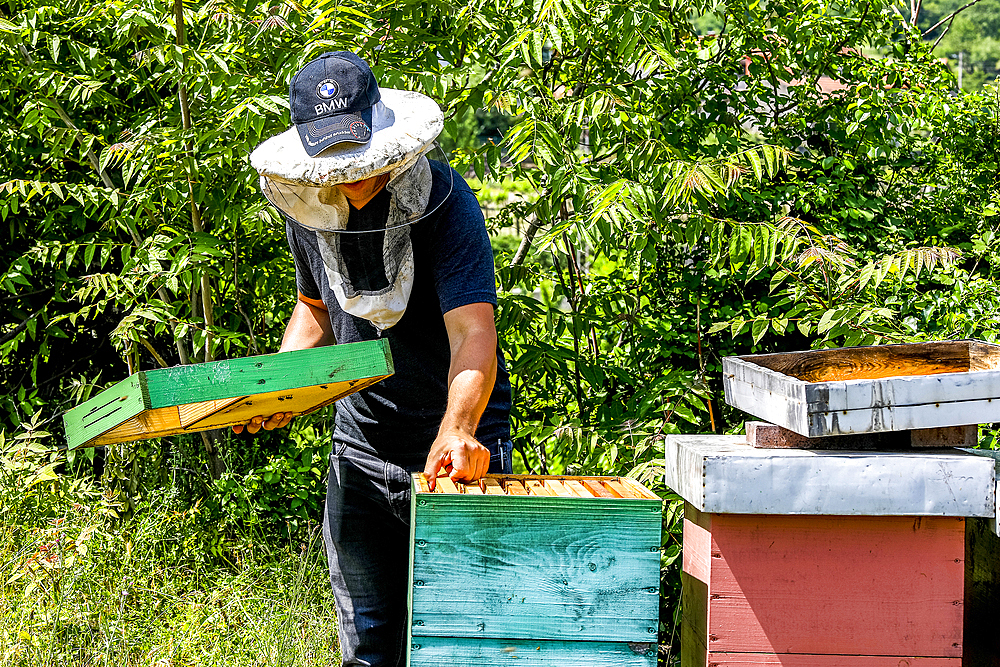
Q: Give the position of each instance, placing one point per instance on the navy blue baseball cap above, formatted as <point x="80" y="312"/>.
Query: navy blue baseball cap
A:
<point x="331" y="99"/>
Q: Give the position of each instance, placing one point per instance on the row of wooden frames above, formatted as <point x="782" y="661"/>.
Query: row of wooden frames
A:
<point x="535" y="485"/>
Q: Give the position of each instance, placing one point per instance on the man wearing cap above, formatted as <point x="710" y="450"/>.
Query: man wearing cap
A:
<point x="387" y="242"/>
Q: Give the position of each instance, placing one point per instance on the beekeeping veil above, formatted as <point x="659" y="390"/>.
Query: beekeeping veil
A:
<point x="332" y="144"/>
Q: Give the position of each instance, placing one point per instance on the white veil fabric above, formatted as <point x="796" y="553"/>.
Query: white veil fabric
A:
<point x="326" y="211"/>
<point x="405" y="126"/>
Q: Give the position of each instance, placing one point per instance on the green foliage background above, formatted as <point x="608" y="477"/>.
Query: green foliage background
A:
<point x="678" y="198"/>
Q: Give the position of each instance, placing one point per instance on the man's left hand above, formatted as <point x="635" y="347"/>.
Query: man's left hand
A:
<point x="460" y="455"/>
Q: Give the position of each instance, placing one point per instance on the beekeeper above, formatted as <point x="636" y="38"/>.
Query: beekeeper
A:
<point x="388" y="241"/>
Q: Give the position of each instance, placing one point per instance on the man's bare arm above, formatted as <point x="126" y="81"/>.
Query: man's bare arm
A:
<point x="309" y="326"/>
<point x="472" y="336"/>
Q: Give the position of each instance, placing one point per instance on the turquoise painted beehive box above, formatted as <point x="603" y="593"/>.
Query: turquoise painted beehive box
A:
<point x="529" y="570"/>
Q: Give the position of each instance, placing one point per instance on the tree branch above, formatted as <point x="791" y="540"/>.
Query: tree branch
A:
<point x="525" y="246"/>
<point x="152" y="351"/>
<point x="946" y="19"/>
<point x="206" y="285"/>
<point x="20" y="327"/>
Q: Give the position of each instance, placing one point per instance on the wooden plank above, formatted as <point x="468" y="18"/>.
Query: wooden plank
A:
<point x="982" y="594"/>
<point x="492" y="487"/>
<point x="697" y="552"/>
<point x="140" y="427"/>
<point x="723" y="474"/>
<point x="522" y="520"/>
<point x="892" y="403"/>
<point x="472" y="489"/>
<point x="537" y="567"/>
<point x="444" y="484"/>
<point x="558" y="488"/>
<point x="108" y="409"/>
<point x="792" y="660"/>
<point x="219" y="394"/>
<point x="618" y="488"/>
<point x="949" y="436"/>
<point x="695" y="584"/>
<point x="597" y="489"/>
<point x="535" y="488"/>
<point x="869" y="362"/>
<point x="762" y="435"/>
<point x="420" y="484"/>
<point x="418" y="494"/>
<point x="191" y="413"/>
<point x="983" y="356"/>
<point x="514" y="487"/>
<point x="475" y="652"/>
<point x="611" y="490"/>
<point x="269" y="373"/>
<point x="578" y="488"/>
<point x="837" y="585"/>
<point x="637" y="489"/>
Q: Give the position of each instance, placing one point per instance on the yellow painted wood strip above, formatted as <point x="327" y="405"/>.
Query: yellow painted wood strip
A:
<point x="164" y="420"/>
<point x="492" y="487"/>
<point x="445" y="485"/>
<point x="535" y="488"/>
<point x="472" y="489"/>
<point x="191" y="413"/>
<point x="514" y="488"/>
<point x="578" y="488"/>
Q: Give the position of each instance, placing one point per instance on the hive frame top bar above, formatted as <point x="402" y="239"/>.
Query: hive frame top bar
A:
<point x="565" y="486"/>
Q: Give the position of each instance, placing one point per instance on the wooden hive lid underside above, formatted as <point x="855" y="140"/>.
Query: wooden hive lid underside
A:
<point x="200" y="397"/>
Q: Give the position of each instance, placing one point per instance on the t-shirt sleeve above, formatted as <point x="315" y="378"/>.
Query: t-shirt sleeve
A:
<point x="304" y="280"/>
<point x="463" y="262"/>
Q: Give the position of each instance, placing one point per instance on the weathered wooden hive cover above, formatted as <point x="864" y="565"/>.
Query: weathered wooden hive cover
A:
<point x="534" y="571"/>
<point x="869" y="389"/>
<point x="199" y="397"/>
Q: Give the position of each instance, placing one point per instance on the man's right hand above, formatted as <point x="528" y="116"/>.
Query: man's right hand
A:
<point x="277" y="420"/>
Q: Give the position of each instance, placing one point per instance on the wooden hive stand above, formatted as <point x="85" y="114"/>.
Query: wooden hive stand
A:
<point x="534" y="571"/>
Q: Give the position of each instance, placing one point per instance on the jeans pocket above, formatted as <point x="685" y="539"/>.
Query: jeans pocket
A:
<point x="397" y="484"/>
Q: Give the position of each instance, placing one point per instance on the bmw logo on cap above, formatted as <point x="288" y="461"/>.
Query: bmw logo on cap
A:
<point x="327" y="88"/>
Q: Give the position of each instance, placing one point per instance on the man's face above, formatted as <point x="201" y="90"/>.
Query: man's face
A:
<point x="362" y="190"/>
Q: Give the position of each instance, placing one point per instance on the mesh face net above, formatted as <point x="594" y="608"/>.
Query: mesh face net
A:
<point x="367" y="254"/>
<point x="324" y="208"/>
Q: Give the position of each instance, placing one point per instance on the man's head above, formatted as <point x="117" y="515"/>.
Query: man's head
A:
<point x="347" y="129"/>
<point x="331" y="99"/>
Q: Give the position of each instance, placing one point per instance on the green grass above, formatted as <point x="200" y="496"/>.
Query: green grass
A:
<point x="80" y="586"/>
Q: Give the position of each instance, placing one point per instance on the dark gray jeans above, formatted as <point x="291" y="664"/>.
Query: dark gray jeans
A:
<point x="367" y="537"/>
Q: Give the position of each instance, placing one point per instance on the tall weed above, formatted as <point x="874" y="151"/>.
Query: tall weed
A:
<point x="81" y="586"/>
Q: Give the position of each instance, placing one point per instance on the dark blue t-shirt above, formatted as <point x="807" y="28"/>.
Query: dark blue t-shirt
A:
<point x="398" y="418"/>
